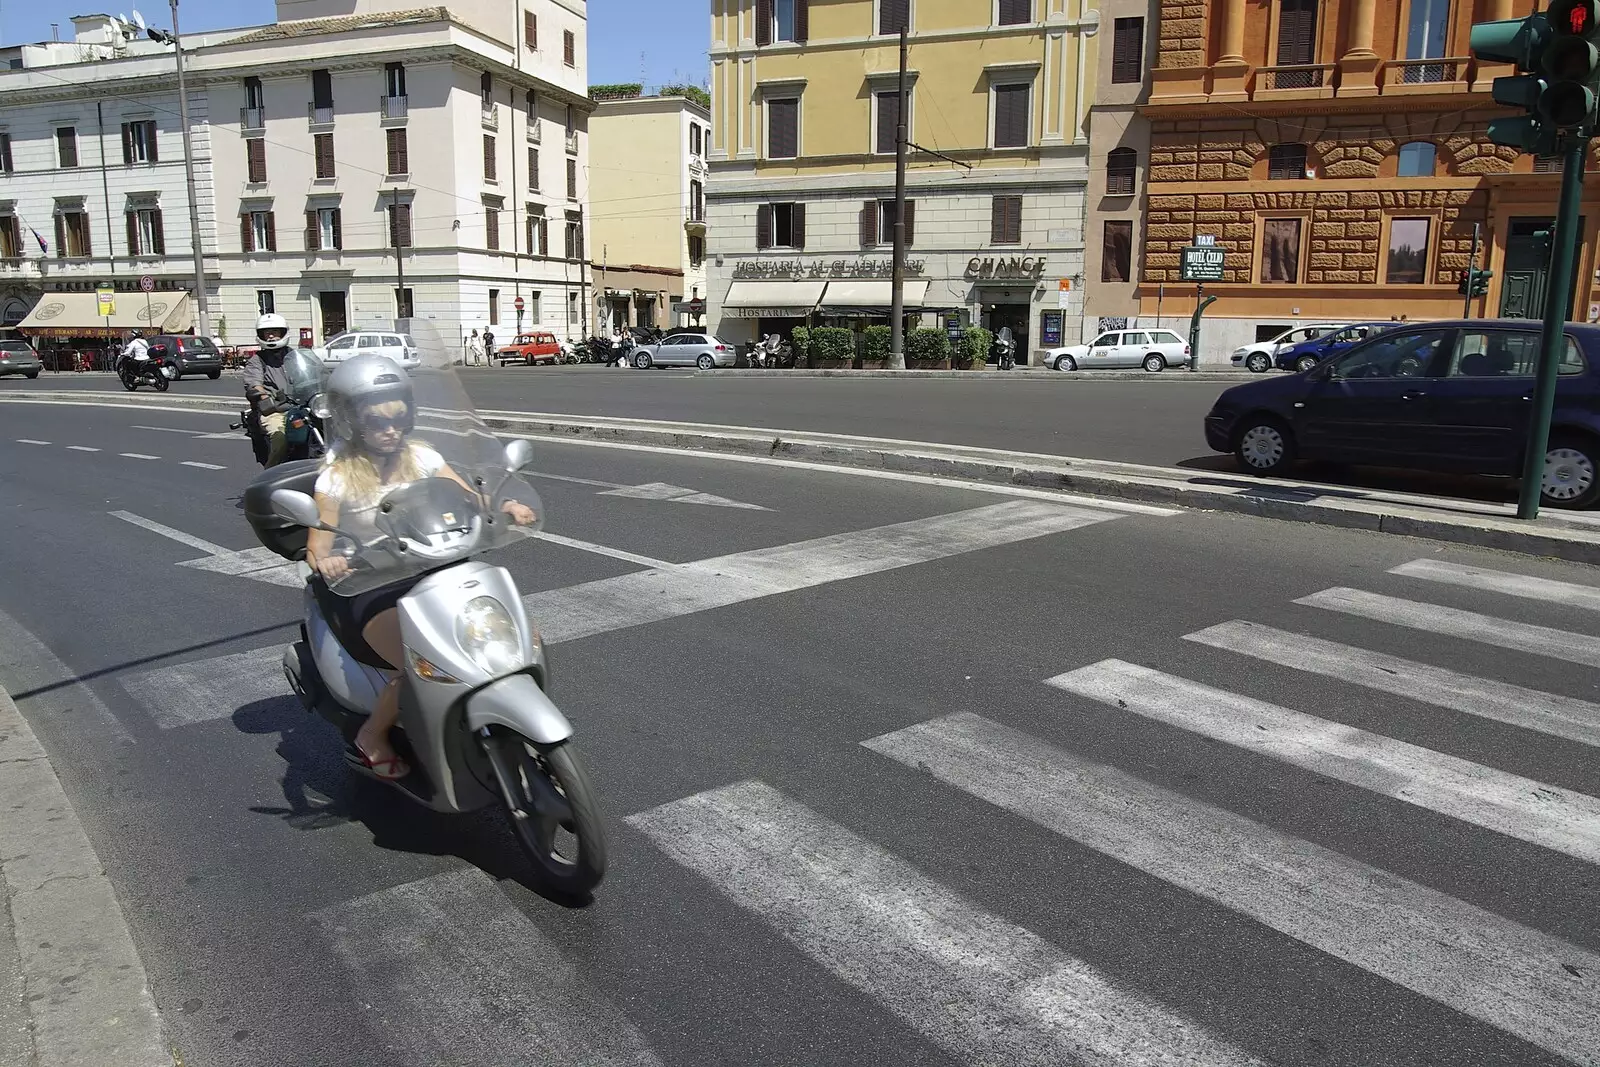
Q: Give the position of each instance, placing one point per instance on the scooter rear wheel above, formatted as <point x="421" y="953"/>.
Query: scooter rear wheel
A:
<point x="161" y="381"/>
<point x="552" y="811"/>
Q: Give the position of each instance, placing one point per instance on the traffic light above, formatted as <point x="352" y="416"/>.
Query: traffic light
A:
<point x="1572" y="61"/>
<point x="1520" y="42"/>
<point x="1474" y="282"/>
<point x="1557" y="52"/>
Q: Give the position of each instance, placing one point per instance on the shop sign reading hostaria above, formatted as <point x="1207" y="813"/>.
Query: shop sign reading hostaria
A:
<point x="982" y="268"/>
<point x="860" y="267"/>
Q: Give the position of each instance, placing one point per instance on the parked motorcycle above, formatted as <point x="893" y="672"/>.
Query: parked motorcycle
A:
<point x="476" y="725"/>
<point x="772" y="352"/>
<point x="1003" y="350"/>
<point x="152" y="369"/>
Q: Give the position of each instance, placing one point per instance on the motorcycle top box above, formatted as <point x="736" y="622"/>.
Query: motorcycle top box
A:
<point x="285" y="538"/>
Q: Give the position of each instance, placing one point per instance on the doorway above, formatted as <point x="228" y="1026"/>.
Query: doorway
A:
<point x="1016" y="317"/>
<point x="334" y="316"/>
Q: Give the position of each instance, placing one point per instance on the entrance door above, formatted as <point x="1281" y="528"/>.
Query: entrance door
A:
<point x="1527" y="268"/>
<point x="1016" y="317"/>
<point x="334" y="317"/>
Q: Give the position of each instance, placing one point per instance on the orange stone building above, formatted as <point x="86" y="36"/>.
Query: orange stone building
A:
<point x="1336" y="149"/>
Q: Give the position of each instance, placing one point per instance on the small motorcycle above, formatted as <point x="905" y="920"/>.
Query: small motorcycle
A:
<point x="1003" y="350"/>
<point x="301" y="427"/>
<point x="152" y="369"/>
<point x="772" y="352"/>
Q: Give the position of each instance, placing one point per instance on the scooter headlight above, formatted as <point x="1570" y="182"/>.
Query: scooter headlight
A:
<point x="488" y="635"/>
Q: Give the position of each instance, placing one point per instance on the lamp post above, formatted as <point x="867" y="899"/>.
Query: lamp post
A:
<point x="202" y="306"/>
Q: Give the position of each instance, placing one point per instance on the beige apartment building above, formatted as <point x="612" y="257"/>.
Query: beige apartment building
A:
<point x="647" y="180"/>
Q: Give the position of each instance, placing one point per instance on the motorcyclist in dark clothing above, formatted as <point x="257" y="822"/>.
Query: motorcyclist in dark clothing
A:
<point x="266" y="384"/>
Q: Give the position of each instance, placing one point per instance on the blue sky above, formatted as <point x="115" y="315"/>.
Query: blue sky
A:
<point x="666" y="39"/>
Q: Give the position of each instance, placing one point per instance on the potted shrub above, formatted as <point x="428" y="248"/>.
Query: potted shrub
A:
<point x="800" y="341"/>
<point x="972" y="352"/>
<point x="875" y="348"/>
<point x="928" y="348"/>
<point x="830" y="347"/>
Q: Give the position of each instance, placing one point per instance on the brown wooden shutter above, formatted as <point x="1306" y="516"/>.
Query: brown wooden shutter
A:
<point x="323" y="143"/>
<point x="127" y="143"/>
<point x="338" y="229"/>
<point x="888" y="120"/>
<point x="530" y="30"/>
<point x="132" y="219"/>
<point x="869" y="223"/>
<point x="488" y="157"/>
<point x="158" y="233"/>
<point x="572" y="179"/>
<point x="763" y="22"/>
<point x="256" y="155"/>
<point x="997" y="220"/>
<point x="272" y="231"/>
<point x="246" y="235"/>
<point x="802" y="21"/>
<point x="1297" y="32"/>
<point x="67" y="146"/>
<point x="399" y="163"/>
<point x="61" y="237"/>
<point x="1127" y="50"/>
<point x="313" y="233"/>
<point x="569" y="48"/>
<point x="894" y="14"/>
<point x="400" y="225"/>
<point x="150" y="141"/>
<point x="1011" y="115"/>
<point x="763" y="226"/>
<point x="1122" y="166"/>
<point x="911" y="222"/>
<point x="783" y="129"/>
<point x="797" y="225"/>
<point x="1015" y="12"/>
<point x="544" y="237"/>
<point x="86" y="232"/>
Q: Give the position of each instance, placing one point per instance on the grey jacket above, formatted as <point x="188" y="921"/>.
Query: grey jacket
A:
<point x="265" y="380"/>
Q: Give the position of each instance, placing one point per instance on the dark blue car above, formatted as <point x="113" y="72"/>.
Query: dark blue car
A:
<point x="1444" y="396"/>
<point x="1307" y="354"/>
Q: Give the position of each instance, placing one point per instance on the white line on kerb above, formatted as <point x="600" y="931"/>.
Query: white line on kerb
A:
<point x="1520" y="585"/>
<point x="1527" y="983"/>
<point x="208" y="547"/>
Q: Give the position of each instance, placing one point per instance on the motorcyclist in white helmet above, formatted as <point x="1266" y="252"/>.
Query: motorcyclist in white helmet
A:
<point x="266" y="383"/>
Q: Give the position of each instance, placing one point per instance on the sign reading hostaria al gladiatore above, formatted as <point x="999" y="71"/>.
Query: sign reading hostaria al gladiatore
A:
<point x="860" y="267"/>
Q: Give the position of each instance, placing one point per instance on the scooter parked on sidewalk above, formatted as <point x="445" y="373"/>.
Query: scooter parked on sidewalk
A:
<point x="772" y="352"/>
<point x="1003" y="350"/>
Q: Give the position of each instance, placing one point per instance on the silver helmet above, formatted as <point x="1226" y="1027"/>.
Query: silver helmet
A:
<point x="361" y="383"/>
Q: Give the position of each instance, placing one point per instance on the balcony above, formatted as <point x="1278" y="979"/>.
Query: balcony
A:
<point x="319" y="116"/>
<point x="393" y="107"/>
<point x="252" y="118"/>
<point x="1298" y="81"/>
<point x="491" y="117"/>
<point x="535" y="131"/>
<point x="1403" y="77"/>
<point x="572" y="142"/>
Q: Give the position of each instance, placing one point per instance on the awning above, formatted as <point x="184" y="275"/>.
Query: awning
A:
<point x="77" y="315"/>
<point x="772" y="300"/>
<point x="872" y="293"/>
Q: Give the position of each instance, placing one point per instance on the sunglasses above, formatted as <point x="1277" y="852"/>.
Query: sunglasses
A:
<point x="379" y="423"/>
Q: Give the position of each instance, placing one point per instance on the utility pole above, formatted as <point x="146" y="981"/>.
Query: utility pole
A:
<point x="897" y="274"/>
<point x="1472" y="275"/>
<point x="399" y="264"/>
<point x="202" y="305"/>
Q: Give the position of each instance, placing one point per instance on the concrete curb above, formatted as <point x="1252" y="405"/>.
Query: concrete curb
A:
<point x="85" y="1000"/>
<point x="1173" y="375"/>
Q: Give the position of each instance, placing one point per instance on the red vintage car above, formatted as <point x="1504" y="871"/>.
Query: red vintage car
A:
<point x="530" y="349"/>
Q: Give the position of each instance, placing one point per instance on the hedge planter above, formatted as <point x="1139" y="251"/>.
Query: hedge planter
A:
<point x="830" y="364"/>
<point x="931" y="364"/>
<point x="874" y="364"/>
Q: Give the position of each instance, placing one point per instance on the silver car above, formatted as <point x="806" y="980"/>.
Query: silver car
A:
<point x="685" y="348"/>
<point x="397" y="346"/>
<point x="18" y="357"/>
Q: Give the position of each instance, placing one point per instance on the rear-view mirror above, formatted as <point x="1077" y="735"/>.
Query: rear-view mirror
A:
<point x="297" y="507"/>
<point x="519" y="454"/>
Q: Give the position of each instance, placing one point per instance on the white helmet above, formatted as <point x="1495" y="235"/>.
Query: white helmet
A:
<point x="272" y="333"/>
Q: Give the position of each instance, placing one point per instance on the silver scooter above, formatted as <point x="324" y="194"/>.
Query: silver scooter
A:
<point x="475" y="723"/>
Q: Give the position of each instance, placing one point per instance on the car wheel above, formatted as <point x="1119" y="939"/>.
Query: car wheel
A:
<point x="1066" y="363"/>
<point x="1571" y="472"/>
<point x="642" y="361"/>
<point x="1264" y="445"/>
<point x="1258" y="362"/>
<point x="31" y="375"/>
<point x="1155" y="362"/>
<point x="1305" y="363"/>
<point x="705" y="362"/>
<point x="214" y="375"/>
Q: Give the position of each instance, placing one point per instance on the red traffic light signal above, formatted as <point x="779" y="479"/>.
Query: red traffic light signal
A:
<point x="1573" y="18"/>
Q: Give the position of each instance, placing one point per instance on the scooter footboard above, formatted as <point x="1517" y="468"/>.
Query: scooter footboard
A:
<point x="517" y="703"/>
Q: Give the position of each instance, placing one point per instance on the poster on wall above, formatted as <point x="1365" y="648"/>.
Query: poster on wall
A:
<point x="1050" y="329"/>
<point x="952" y="325"/>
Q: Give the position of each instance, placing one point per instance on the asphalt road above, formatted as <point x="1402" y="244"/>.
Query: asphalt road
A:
<point x="1118" y="860"/>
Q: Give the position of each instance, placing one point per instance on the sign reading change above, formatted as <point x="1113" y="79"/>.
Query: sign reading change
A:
<point x="1201" y="263"/>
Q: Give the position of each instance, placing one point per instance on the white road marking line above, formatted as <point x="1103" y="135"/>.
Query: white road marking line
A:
<point x="1529" y="984"/>
<point x="170" y="429"/>
<point x="651" y="596"/>
<point x="1548" y="713"/>
<point x="225" y="435"/>
<point x="1453" y="622"/>
<point x="258" y="564"/>
<point x="574" y="481"/>
<point x="136" y="455"/>
<point x="605" y="550"/>
<point x="1529" y="810"/>
<point x="512" y="991"/>
<point x="204" y="690"/>
<point x="204" y="466"/>
<point x="1519" y="585"/>
<point x="677" y="494"/>
<point x="984" y="990"/>
<point x="171" y="534"/>
<point x="82" y="448"/>
<point x="30" y="441"/>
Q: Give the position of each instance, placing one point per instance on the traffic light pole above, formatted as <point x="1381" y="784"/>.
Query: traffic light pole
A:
<point x="1472" y="275"/>
<point x="1563" y="261"/>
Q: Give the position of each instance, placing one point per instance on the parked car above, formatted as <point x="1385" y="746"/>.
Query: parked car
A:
<point x="397" y="346"/>
<point x="1443" y="396"/>
<point x="530" y="349"/>
<point x="1154" y="350"/>
<point x="1263" y="355"/>
<point x="685" y="348"/>
<point x="18" y="357"/>
<point x="188" y="356"/>
<point x="1307" y="354"/>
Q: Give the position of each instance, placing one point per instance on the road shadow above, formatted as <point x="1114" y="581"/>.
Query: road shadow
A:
<point x="146" y="661"/>
<point x="1371" y="479"/>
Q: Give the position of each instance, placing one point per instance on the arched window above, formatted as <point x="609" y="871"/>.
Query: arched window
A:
<point x="1122" y="167"/>
<point x="1417" y="160"/>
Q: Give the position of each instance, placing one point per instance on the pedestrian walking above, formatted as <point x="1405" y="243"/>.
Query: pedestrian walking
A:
<point x="488" y="346"/>
<point x="474" y="348"/>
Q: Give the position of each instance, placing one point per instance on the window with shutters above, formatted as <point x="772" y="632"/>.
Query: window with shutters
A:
<point x="488" y="158"/>
<point x="404" y="306"/>
<point x="783" y="128"/>
<point x="255" y="99"/>
<point x="486" y="90"/>
<point x="1297" y="44"/>
<point x="1116" y="251"/>
<point x="394" y="79"/>
<point x="533" y="169"/>
<point x="139" y="142"/>
<point x="696" y="139"/>
<point x="398" y="161"/>
<point x="1286" y="162"/>
<point x="399" y="225"/>
<point x="574" y="239"/>
<point x="145" y="234"/>
<point x="324" y="232"/>
<point x="266" y="302"/>
<point x="884" y="211"/>
<point x="10" y="237"/>
<point x="530" y="31"/>
<point x="322" y="145"/>
<point x="494" y="307"/>
<point x="538" y="231"/>
<point x="322" y="95"/>
<point x="781" y="225"/>
<point x="572" y="309"/>
<point x="1005" y="220"/>
<point x="697" y="201"/>
<point x="255" y="154"/>
<point x="5" y="154"/>
<point x="491" y="228"/>
<point x="569" y="48"/>
<point x="572" y="179"/>
<point x="1127" y="50"/>
<point x="1013" y="12"/>
<point x="888" y="107"/>
<point x="258" y="231"/>
<point x="1122" y="168"/>
<point x="697" y="251"/>
<point x="67" y="146"/>
<point x="894" y="16"/>
<point x="72" y="234"/>
<point x="1011" y="115"/>
<point x="1280" y="251"/>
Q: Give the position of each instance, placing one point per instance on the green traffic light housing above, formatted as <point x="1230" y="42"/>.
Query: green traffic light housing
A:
<point x="1519" y="41"/>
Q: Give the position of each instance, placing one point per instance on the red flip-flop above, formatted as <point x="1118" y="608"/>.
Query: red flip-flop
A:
<point x="390" y="769"/>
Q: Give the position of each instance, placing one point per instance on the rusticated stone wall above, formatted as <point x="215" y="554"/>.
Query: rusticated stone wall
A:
<point x="1183" y="34"/>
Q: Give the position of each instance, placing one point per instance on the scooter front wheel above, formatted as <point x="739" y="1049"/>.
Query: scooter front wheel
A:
<point x="552" y="810"/>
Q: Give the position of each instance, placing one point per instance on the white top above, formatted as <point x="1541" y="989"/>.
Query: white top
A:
<point x="358" y="517"/>
<point x="138" y="348"/>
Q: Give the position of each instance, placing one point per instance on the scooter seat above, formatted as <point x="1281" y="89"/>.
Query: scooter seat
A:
<point x="347" y="616"/>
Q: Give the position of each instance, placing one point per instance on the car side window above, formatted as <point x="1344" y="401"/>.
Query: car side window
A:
<point x="1411" y="355"/>
<point x="1507" y="354"/>
<point x="392" y="341"/>
<point x="343" y="342"/>
<point x="1106" y="340"/>
<point x="1137" y="337"/>
<point x="368" y="340"/>
<point x="1166" y="337"/>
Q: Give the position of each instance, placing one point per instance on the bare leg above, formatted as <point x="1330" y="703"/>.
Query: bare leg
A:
<point x="383" y="634"/>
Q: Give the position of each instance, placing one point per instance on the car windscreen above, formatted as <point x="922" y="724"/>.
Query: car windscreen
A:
<point x="198" y="344"/>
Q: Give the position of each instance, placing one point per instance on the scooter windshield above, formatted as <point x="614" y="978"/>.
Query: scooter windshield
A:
<point x="419" y="481"/>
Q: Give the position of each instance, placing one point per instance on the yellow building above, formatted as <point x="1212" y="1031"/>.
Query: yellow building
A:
<point x="804" y="109"/>
<point x="647" y="226"/>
